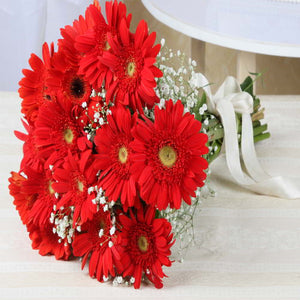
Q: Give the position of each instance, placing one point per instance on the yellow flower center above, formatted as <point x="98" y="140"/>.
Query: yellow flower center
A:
<point x="167" y="156"/>
<point x="143" y="243"/>
<point x="50" y="188"/>
<point x="123" y="155"/>
<point x="131" y="68"/>
<point x="106" y="46"/>
<point x="80" y="185"/>
<point x="68" y="136"/>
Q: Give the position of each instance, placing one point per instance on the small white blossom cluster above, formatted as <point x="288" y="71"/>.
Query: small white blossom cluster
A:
<point x="100" y="198"/>
<point x="182" y="224"/>
<point x="176" y="82"/>
<point x="203" y="109"/>
<point x="101" y="201"/>
<point x="99" y="118"/>
<point x="182" y="220"/>
<point x="63" y="224"/>
<point x="181" y="81"/>
<point x="149" y="113"/>
<point x="119" y="280"/>
<point x="195" y="81"/>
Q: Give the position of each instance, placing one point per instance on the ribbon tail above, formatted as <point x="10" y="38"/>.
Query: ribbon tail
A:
<point x="282" y="187"/>
<point x="265" y="184"/>
<point x="203" y="82"/>
<point x="226" y="111"/>
<point x="248" y="151"/>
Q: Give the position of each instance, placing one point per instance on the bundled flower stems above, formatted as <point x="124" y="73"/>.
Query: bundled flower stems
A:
<point x="116" y="149"/>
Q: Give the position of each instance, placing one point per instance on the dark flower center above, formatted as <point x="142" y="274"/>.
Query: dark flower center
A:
<point x="77" y="87"/>
<point x="102" y="224"/>
<point x="45" y="94"/>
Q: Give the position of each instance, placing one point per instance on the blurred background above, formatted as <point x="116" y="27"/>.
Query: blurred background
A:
<point x="25" y="24"/>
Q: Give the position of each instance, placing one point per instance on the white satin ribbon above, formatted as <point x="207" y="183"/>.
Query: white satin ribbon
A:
<point x="230" y="99"/>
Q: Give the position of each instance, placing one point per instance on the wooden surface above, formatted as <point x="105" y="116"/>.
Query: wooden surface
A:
<point x="248" y="246"/>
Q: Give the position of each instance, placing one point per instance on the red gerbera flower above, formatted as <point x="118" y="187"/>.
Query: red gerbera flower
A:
<point x="63" y="79"/>
<point x="22" y="201"/>
<point x="57" y="131"/>
<point x="131" y="60"/>
<point x="97" y="241"/>
<point x="145" y="247"/>
<point x="114" y="157"/>
<point x="94" y="42"/>
<point x="41" y="183"/>
<point x="73" y="179"/>
<point x="48" y="242"/>
<point x="30" y="150"/>
<point x="33" y="89"/>
<point x="167" y="158"/>
<point x="69" y="34"/>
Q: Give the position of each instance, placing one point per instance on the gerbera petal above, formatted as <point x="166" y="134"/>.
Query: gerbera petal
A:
<point x="124" y="32"/>
<point x="137" y="277"/>
<point x="167" y="156"/>
<point x="93" y="263"/>
<point x="146" y="245"/>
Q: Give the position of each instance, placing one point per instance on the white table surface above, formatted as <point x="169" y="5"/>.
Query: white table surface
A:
<point x="249" y="244"/>
<point x="258" y="26"/>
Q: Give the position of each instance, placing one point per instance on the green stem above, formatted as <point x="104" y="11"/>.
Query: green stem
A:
<point x="215" y="134"/>
<point x="256" y="103"/>
<point x="256" y="124"/>
<point x="262" y="137"/>
<point x="211" y="125"/>
<point x="210" y="158"/>
<point x="257" y="75"/>
<point x="260" y="129"/>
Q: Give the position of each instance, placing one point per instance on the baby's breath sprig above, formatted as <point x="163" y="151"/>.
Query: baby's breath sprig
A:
<point x="182" y="220"/>
<point x="181" y="81"/>
<point x="62" y="220"/>
<point x="100" y="112"/>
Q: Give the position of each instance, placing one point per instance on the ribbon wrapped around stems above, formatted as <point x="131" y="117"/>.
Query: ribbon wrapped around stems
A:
<point x="228" y="100"/>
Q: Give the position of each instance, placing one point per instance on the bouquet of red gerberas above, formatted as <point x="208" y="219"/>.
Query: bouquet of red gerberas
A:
<point x="101" y="160"/>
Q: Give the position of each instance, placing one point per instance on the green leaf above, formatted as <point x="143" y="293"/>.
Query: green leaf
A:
<point x="157" y="214"/>
<point x="256" y="103"/>
<point x="261" y="137"/>
<point x="247" y="85"/>
<point x="256" y="124"/>
<point x="260" y="129"/>
<point x="255" y="74"/>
